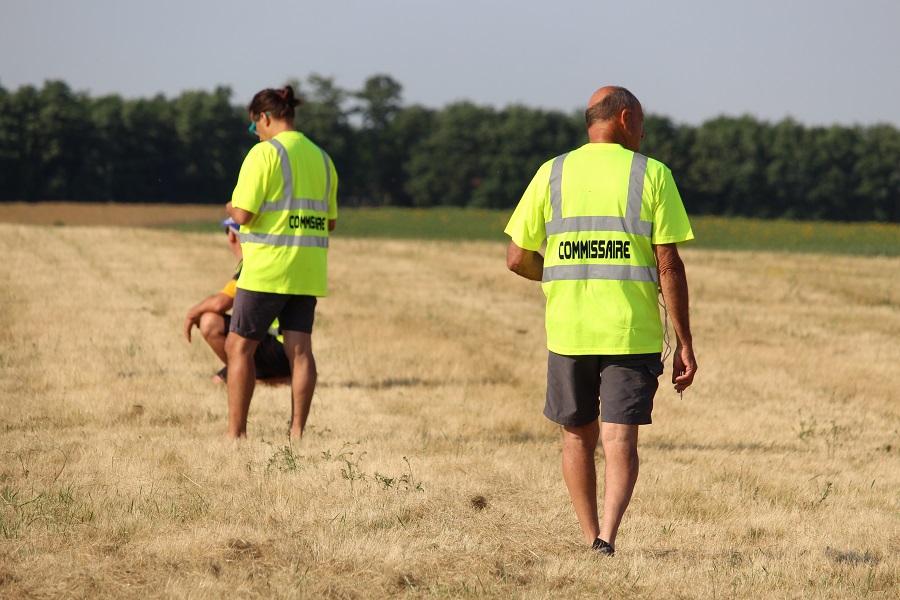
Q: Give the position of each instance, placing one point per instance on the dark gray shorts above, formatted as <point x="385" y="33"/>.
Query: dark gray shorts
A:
<point x="253" y="313"/>
<point x="623" y="386"/>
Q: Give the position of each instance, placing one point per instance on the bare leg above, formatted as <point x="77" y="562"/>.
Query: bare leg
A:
<point x="241" y="382"/>
<point x="212" y="327"/>
<point x="298" y="347"/>
<point x="620" y="450"/>
<point x="580" y="474"/>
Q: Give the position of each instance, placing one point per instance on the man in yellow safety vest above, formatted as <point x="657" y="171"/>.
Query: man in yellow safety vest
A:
<point x="611" y="219"/>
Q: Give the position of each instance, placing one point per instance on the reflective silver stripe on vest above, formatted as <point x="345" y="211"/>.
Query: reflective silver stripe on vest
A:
<point x="327" y="178"/>
<point x="612" y="272"/>
<point x="633" y="223"/>
<point x="288" y="202"/>
<point x="556" y="189"/>
<point x="630" y="224"/>
<point x="271" y="239"/>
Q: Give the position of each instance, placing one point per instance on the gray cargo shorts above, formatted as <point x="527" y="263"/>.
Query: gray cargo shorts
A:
<point x="618" y="388"/>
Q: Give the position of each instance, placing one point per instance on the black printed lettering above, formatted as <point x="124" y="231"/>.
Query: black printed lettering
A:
<point x="579" y="249"/>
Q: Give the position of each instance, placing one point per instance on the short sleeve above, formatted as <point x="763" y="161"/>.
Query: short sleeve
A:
<point x="332" y="194"/>
<point x="670" y="220"/>
<point x="527" y="225"/>
<point x="230" y="288"/>
<point x="254" y="179"/>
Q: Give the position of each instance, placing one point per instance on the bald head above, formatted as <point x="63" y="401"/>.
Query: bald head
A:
<point x="606" y="104"/>
<point x="600" y="95"/>
<point x="615" y="115"/>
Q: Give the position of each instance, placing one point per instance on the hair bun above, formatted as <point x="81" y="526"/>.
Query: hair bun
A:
<point x="288" y="94"/>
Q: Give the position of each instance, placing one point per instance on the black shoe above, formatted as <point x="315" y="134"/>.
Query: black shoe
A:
<point x="602" y="547"/>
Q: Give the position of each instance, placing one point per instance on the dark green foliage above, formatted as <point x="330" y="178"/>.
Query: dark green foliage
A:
<point x="45" y="137"/>
<point x="60" y="145"/>
<point x="481" y="157"/>
<point x="382" y="141"/>
<point x="56" y="144"/>
<point x="446" y="167"/>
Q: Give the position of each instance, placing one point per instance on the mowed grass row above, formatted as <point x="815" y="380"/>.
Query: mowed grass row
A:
<point x="428" y="469"/>
<point x="719" y="233"/>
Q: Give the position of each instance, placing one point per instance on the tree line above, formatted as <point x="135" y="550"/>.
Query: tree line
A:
<point x="58" y="144"/>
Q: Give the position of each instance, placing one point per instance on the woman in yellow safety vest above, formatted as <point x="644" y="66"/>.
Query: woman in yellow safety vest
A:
<point x="286" y="203"/>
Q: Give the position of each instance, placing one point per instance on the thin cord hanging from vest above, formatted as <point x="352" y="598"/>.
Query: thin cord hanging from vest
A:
<point x="660" y="299"/>
<point x="662" y="303"/>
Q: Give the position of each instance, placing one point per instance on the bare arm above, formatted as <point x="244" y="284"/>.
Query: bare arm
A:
<point x="526" y="263"/>
<point x="673" y="283"/>
<point x="332" y="223"/>
<point x="240" y="216"/>
<point x="217" y="303"/>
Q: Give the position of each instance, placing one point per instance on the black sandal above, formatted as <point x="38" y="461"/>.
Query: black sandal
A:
<point x="603" y="547"/>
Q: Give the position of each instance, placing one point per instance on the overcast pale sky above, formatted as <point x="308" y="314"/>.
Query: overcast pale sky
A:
<point x="820" y="62"/>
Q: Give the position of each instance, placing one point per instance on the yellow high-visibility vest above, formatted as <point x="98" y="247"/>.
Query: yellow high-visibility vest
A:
<point x="290" y="185"/>
<point x="600" y="209"/>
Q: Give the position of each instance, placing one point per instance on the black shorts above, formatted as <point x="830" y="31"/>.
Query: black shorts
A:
<point x="619" y="387"/>
<point x="269" y="358"/>
<point x="254" y="312"/>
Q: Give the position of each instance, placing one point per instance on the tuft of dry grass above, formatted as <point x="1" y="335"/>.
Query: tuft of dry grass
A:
<point x="428" y="469"/>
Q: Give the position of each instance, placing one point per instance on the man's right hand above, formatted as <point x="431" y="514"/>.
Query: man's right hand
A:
<point x="189" y="323"/>
<point x="684" y="367"/>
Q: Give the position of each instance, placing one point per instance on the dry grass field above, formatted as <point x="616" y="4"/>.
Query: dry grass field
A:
<point x="428" y="469"/>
